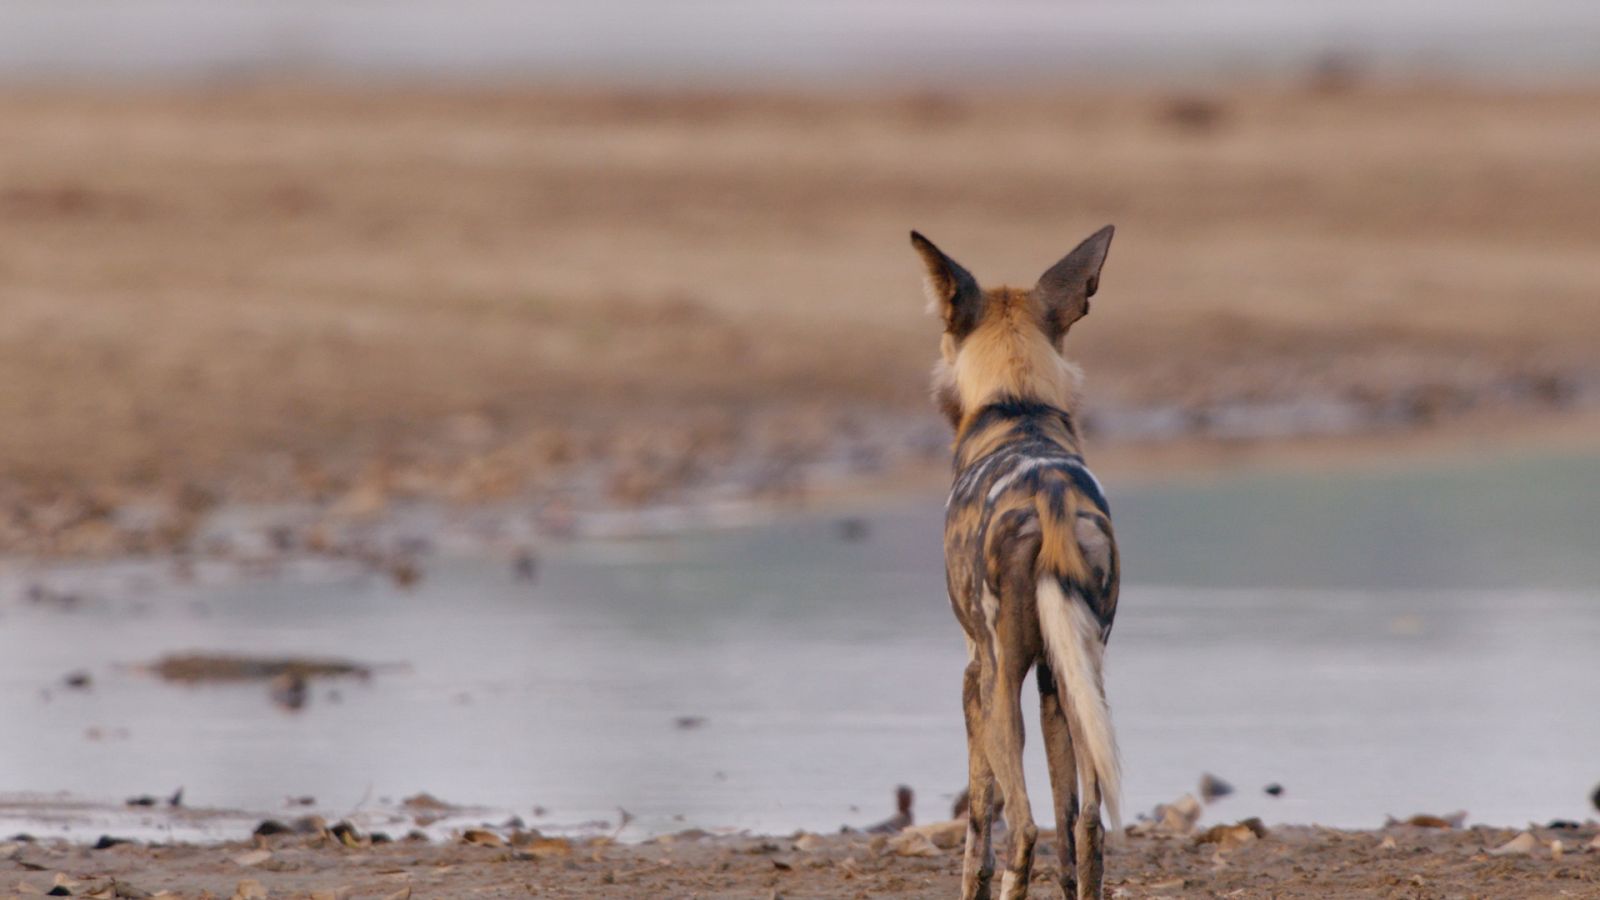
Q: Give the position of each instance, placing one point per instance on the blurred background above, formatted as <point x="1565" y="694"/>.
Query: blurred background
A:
<point x="525" y="403"/>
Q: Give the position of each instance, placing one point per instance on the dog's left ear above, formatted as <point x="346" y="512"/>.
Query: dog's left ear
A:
<point x="1068" y="285"/>
<point x="953" y="290"/>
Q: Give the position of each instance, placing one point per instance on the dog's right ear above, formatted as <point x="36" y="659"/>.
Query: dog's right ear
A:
<point x="952" y="289"/>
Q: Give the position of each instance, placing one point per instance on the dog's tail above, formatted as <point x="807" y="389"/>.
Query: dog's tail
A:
<point x="1073" y="644"/>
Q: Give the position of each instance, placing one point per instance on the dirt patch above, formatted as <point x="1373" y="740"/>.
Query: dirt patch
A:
<point x="1284" y="862"/>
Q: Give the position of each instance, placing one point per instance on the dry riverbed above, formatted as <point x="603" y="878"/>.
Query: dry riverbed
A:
<point x="568" y="298"/>
<point x="1284" y="862"/>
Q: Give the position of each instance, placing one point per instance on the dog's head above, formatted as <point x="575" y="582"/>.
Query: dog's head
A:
<point x="1005" y="343"/>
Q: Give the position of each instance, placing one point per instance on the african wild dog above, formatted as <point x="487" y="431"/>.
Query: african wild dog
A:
<point x="1030" y="561"/>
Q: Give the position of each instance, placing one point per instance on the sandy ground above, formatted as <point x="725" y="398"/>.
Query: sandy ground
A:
<point x="258" y="292"/>
<point x="1288" y="862"/>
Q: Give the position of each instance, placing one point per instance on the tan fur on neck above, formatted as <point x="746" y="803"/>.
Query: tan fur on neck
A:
<point x="1007" y="355"/>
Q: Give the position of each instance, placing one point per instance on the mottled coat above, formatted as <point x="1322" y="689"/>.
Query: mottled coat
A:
<point x="1030" y="560"/>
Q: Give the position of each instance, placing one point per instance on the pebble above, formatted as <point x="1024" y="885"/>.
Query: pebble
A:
<point x="482" y="837"/>
<point x="346" y="834"/>
<point x="852" y="529"/>
<point x="252" y="858"/>
<point x="1521" y="845"/>
<point x="944" y="835"/>
<point x="1226" y="837"/>
<point x="913" y="843"/>
<point x="1177" y="817"/>
<point x="126" y="891"/>
<point x="1425" y="820"/>
<point x="526" y="567"/>
<point x="1212" y="787"/>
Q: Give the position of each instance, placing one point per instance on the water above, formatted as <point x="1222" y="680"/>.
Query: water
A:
<point x="1378" y="644"/>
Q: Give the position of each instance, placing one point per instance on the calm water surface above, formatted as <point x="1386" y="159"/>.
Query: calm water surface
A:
<point x="1395" y="643"/>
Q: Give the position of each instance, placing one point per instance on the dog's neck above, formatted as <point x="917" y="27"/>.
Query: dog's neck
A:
<point x="1009" y="355"/>
<point x="1008" y="421"/>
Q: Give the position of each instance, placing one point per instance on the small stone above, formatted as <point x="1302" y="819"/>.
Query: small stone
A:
<point x="945" y="835"/>
<point x="252" y="858"/>
<point x="482" y="837"/>
<point x="1274" y="790"/>
<point x="913" y="843"/>
<point x="1213" y="788"/>
<point x="1226" y="837"/>
<point x="1521" y="845"/>
<point x="543" y="847"/>
<point x="1179" y="816"/>
<point x="1557" y="849"/>
<point x="807" y="843"/>
<point x="271" y="827"/>
<point x="346" y="834"/>
<point x="1388" y="843"/>
<point x="852" y="529"/>
<point x="250" y="889"/>
<point x="106" y="842"/>
<point x="1426" y="820"/>
<point x="526" y="567"/>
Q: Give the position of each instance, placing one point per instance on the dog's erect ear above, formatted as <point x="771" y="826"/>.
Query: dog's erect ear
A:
<point x="1068" y="285"/>
<point x="953" y="289"/>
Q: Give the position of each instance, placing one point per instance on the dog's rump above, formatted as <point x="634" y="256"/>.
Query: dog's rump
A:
<point x="1041" y="502"/>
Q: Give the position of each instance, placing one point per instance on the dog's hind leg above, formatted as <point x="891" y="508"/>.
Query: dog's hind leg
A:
<point x="1090" y="835"/>
<point x="977" y="867"/>
<point x="1002" y="733"/>
<point x="1063" y="776"/>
